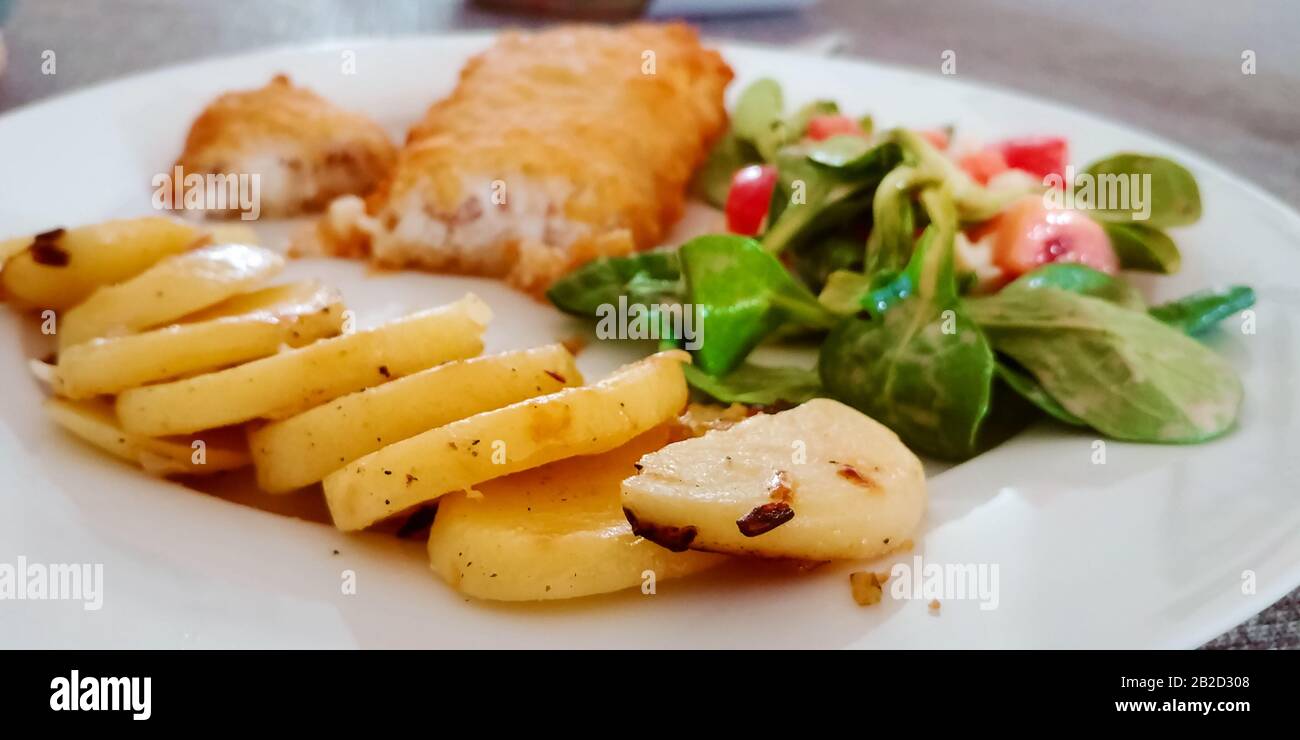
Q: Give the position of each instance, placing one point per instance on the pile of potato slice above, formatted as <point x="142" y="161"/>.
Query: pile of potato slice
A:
<point x="178" y="352"/>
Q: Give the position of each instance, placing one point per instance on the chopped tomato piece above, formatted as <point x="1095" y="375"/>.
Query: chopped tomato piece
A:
<point x="976" y="232"/>
<point x="1030" y="235"/>
<point x="824" y="127"/>
<point x="749" y="198"/>
<point x="983" y="165"/>
<point x="937" y="137"/>
<point x="1037" y="155"/>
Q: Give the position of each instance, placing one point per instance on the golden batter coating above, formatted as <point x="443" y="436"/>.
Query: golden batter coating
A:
<point x="306" y="150"/>
<point x="555" y="147"/>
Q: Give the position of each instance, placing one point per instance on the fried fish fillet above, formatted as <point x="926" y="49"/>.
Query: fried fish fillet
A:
<point x="555" y="147"/>
<point x="306" y="150"/>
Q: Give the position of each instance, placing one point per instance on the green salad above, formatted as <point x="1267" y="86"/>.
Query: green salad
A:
<point x="954" y="292"/>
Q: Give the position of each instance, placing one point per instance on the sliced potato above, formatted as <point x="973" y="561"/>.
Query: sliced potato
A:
<point x="232" y="233"/>
<point x="274" y="300"/>
<point x="818" y="482"/>
<point x="554" y="532"/>
<point x="295" y="380"/>
<point x="111" y="365"/>
<point x="575" y="421"/>
<point x="176" y="286"/>
<point x="94" y="422"/>
<point x="60" y="268"/>
<point x="303" y="449"/>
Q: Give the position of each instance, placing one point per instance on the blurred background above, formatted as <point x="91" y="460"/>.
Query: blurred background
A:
<point x="1221" y="78"/>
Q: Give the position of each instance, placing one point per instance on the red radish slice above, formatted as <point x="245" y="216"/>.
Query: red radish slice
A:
<point x="749" y="198"/>
<point x="1030" y="235"/>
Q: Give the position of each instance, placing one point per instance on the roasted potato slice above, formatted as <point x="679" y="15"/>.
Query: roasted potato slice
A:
<point x="295" y="380"/>
<point x="232" y="233"/>
<point x="308" y="311"/>
<point x="94" y="422"/>
<point x="176" y="286"/>
<point x="575" y="421"/>
<point x="818" y="482"/>
<point x="60" y="268"/>
<point x="303" y="449"/>
<point x="274" y="300"/>
<point x="554" y="532"/>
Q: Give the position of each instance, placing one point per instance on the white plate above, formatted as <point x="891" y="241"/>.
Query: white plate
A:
<point x="1153" y="548"/>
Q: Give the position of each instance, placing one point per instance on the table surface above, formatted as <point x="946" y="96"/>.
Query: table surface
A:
<point x="1174" y="67"/>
